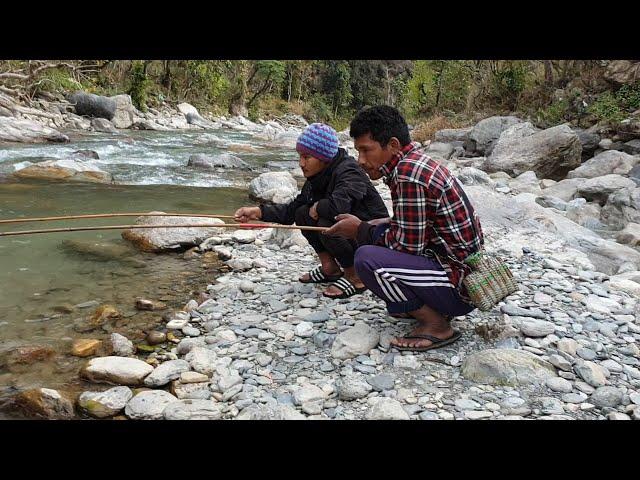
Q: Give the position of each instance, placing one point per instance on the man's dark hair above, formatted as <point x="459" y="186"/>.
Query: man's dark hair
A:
<point x="382" y="122"/>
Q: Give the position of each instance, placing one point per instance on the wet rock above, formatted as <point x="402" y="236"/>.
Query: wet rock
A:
<point x="85" y="347"/>
<point x="27" y="131"/>
<point x="223" y="160"/>
<point x="122" y="346"/>
<point x="155" y="338"/>
<point x="27" y="355"/>
<point x="116" y="370"/>
<point x="44" y="403"/>
<point x="105" y="404"/>
<point x="103" y="125"/>
<point x="67" y="170"/>
<point x="150" y="305"/>
<point x="167" y="239"/>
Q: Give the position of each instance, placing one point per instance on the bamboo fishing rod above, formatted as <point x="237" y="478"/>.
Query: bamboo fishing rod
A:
<point x="237" y="226"/>
<point x="106" y="215"/>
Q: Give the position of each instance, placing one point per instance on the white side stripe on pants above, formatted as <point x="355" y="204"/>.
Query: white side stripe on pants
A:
<point x="393" y="292"/>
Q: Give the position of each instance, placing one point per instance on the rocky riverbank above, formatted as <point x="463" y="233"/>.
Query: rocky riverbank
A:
<point x="559" y="204"/>
<point x="264" y="346"/>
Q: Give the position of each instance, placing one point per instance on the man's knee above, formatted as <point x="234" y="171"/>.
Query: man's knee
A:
<point x="363" y="260"/>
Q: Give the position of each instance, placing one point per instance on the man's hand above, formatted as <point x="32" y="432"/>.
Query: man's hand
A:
<point x="313" y="211"/>
<point x="245" y="214"/>
<point x="347" y="226"/>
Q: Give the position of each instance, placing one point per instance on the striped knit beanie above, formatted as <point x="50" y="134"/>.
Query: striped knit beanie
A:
<point x="318" y="140"/>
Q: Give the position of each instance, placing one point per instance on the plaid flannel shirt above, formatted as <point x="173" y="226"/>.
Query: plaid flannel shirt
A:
<point x="429" y="215"/>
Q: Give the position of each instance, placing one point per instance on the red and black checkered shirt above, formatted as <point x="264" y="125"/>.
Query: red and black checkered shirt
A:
<point x="430" y="216"/>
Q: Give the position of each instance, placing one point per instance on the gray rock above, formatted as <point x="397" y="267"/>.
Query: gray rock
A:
<point x="103" y="125"/>
<point x="483" y="136"/>
<point x="105" y="404"/>
<point x="387" y="409"/>
<point x="308" y="393"/>
<point x="166" y="372"/>
<point x="116" y="370"/>
<point x="606" y="397"/>
<point x="27" y="131"/>
<point x="270" y="412"/>
<point x="381" y="382"/>
<point x="605" y="163"/>
<point x="352" y="387"/>
<point x="550" y="153"/>
<point x="202" y="360"/>
<point x="275" y="187"/>
<point x="514" y="310"/>
<point x="188" y="344"/>
<point x="191" y="409"/>
<point x="591" y="373"/>
<point x="559" y="385"/>
<point x="537" y="328"/>
<point x="358" y="340"/>
<point x="506" y="367"/>
<point x="88" y="104"/>
<point x="473" y="176"/>
<point x="149" y="405"/>
<point x="122" y="346"/>
<point x="223" y="160"/>
<point x="598" y="189"/>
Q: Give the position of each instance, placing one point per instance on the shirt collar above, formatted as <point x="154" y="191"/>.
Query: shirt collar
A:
<point x="388" y="167"/>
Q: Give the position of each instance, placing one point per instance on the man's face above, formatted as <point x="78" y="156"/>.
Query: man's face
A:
<point x="311" y="166"/>
<point x="371" y="155"/>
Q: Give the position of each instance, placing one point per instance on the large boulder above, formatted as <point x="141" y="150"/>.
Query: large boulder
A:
<point x="623" y="72"/>
<point x="473" y="176"/>
<point x="440" y="150"/>
<point x="223" y="160"/>
<point x="506" y="367"/>
<point x="583" y="213"/>
<point x="483" y="136"/>
<point x="93" y="105"/>
<point x="186" y="109"/>
<point x="198" y="121"/>
<point x="589" y="141"/>
<point x="67" y="169"/>
<point x="628" y="129"/>
<point x="27" y="131"/>
<point x="125" y="113"/>
<point x="452" y="135"/>
<point x="274" y="187"/>
<point x="632" y="147"/>
<point x="551" y="153"/>
<point x="166" y="239"/>
<point x="103" y="125"/>
<point x="605" y="163"/>
<point x="599" y="188"/>
<point x="519" y="221"/>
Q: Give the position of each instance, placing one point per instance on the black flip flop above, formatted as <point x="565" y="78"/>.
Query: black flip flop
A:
<point x="347" y="288"/>
<point x="436" y="342"/>
<point x="316" y="275"/>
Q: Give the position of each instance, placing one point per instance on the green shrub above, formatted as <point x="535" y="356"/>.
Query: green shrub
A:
<point x="606" y="107"/>
<point x="139" y="86"/>
<point x="629" y="96"/>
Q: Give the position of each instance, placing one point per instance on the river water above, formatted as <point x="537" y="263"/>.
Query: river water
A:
<point x="49" y="282"/>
